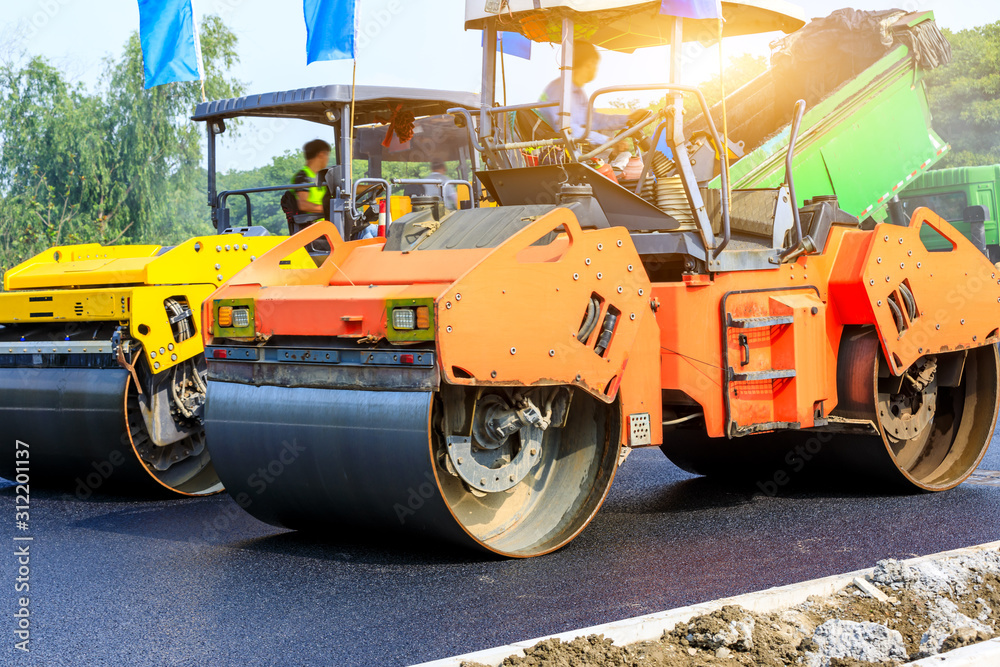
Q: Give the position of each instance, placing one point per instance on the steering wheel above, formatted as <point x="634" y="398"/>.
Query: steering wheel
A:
<point x="632" y="129"/>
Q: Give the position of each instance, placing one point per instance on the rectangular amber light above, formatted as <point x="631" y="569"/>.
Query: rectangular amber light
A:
<point x="423" y="317"/>
<point x="225" y="316"/>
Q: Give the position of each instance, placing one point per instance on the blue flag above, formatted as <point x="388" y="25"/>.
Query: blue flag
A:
<point x="513" y="43"/>
<point x="331" y="29"/>
<point x="691" y="9"/>
<point x="170" y="47"/>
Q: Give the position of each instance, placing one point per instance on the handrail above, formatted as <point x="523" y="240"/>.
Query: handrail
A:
<point x="800" y="110"/>
<point x="244" y="192"/>
<point x="388" y="198"/>
<point x="433" y="181"/>
<point x="474" y="137"/>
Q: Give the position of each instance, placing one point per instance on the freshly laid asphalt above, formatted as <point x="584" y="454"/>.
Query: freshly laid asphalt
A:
<point x="191" y="582"/>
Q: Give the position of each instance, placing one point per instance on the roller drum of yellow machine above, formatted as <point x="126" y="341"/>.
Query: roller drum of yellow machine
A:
<point x="102" y="367"/>
<point x="478" y="377"/>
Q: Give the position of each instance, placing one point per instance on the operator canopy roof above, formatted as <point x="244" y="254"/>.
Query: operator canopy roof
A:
<point x="627" y="25"/>
<point x="373" y="104"/>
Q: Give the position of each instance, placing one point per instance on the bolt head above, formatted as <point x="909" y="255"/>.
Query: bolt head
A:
<point x="493" y="374"/>
<point x="513" y="350"/>
<point x="552" y="353"/>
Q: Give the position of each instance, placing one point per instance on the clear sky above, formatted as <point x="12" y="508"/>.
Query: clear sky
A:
<point x="418" y="43"/>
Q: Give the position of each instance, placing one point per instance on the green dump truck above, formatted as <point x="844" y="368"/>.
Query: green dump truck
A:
<point x="868" y="119"/>
<point x="964" y="196"/>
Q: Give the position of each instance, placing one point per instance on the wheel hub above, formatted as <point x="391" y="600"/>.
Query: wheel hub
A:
<point x="492" y="460"/>
<point x="906" y="413"/>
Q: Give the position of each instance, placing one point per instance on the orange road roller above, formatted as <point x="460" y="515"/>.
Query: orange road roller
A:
<point x="478" y="376"/>
<point x="102" y="368"/>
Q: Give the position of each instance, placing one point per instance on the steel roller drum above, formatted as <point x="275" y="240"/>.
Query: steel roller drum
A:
<point x="80" y="431"/>
<point x="74" y="423"/>
<point x="933" y="444"/>
<point x="325" y="459"/>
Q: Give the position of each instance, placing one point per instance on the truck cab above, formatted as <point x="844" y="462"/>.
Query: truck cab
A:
<point x="951" y="193"/>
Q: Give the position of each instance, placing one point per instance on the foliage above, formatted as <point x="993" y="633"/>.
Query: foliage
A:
<point x="965" y="97"/>
<point x="106" y="166"/>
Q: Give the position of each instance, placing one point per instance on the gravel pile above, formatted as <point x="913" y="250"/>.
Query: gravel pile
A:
<point x="903" y="613"/>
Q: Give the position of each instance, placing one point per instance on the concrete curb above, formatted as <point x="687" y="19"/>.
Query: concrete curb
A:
<point x="652" y="626"/>
<point x="977" y="655"/>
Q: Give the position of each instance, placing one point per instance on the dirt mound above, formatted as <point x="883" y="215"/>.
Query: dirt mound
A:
<point x="917" y="611"/>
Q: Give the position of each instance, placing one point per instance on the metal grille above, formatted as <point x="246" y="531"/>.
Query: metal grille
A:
<point x="639" y="432"/>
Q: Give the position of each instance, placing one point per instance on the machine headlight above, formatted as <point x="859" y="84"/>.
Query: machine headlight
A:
<point x="404" y="319"/>
<point x="409" y="320"/>
<point x="241" y="317"/>
<point x="234" y="319"/>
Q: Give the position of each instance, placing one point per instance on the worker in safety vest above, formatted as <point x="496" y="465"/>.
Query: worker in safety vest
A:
<point x="313" y="200"/>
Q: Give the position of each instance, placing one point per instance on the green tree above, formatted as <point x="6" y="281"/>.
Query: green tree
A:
<point x="107" y="166"/>
<point x="965" y="97"/>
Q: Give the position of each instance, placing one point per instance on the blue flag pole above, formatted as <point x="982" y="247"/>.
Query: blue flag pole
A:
<point x="171" y="50"/>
